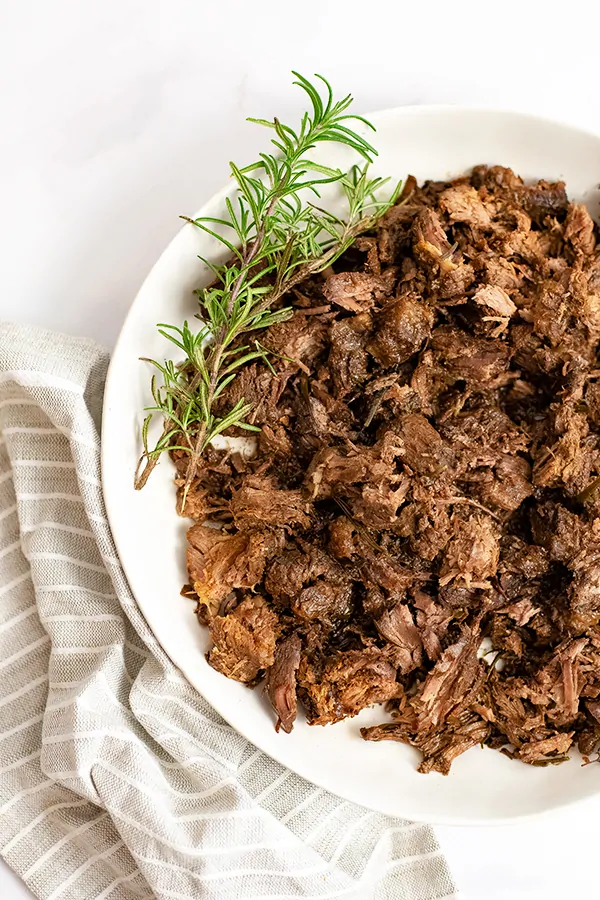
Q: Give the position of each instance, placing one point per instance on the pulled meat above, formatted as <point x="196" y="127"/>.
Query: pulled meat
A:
<point x="244" y="640"/>
<point x="218" y="562"/>
<point x="399" y="330"/>
<point x="281" y="681"/>
<point x="257" y="503"/>
<point x="335" y="688"/>
<point x="419" y="524"/>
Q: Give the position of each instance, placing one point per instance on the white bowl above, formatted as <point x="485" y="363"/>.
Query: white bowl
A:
<point x="484" y="786"/>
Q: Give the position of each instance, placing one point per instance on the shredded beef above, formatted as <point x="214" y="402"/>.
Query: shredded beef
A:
<point x="348" y="358"/>
<point x="418" y="521"/>
<point x="258" y="503"/>
<point x="397" y="626"/>
<point x="281" y="681"/>
<point x="473" y="552"/>
<point x="496" y="299"/>
<point x="244" y="640"/>
<point x="462" y="203"/>
<point x="342" y="685"/>
<point x="400" y="329"/>
<point x="357" y="291"/>
<point x="422" y="448"/>
<point x="218" y="562"/>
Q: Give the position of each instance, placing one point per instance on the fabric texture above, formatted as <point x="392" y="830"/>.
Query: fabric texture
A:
<point x="117" y="779"/>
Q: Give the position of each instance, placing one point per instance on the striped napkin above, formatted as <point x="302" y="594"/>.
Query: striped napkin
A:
<point x="117" y="779"/>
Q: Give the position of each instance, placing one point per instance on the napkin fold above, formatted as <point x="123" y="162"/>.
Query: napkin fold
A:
<point x="117" y="779"/>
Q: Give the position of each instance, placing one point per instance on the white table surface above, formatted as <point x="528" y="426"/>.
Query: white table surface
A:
<point x="119" y="115"/>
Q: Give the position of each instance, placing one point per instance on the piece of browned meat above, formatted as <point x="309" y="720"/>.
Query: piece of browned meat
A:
<point x="219" y="562"/>
<point x="281" y="681"/>
<point x="400" y="330"/>
<point x="341" y="686"/>
<point x="397" y="626"/>
<point x="244" y="640"/>
<point x="419" y="522"/>
<point x="258" y="503"/>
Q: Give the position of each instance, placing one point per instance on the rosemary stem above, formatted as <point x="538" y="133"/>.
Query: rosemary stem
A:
<point x="218" y="348"/>
<point x="278" y="241"/>
<point x="215" y="366"/>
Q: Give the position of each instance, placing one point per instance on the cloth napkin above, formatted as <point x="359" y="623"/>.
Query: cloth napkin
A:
<point x="117" y="779"/>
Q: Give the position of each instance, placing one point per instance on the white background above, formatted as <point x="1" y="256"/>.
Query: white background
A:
<point x="117" y="116"/>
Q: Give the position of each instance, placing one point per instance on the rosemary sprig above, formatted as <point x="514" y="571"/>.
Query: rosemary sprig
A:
<point x="276" y="239"/>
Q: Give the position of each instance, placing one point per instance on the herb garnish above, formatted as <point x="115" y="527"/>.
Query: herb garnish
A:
<point x="274" y="235"/>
